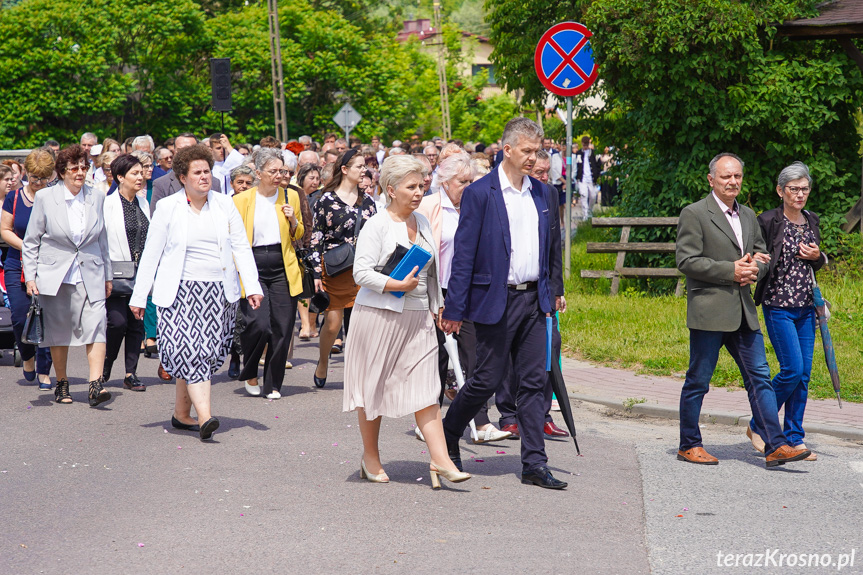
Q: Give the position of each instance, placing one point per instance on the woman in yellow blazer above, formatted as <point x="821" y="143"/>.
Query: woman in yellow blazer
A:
<point x="273" y="222"/>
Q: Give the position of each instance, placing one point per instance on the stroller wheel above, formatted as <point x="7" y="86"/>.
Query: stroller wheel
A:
<point x="16" y="358"/>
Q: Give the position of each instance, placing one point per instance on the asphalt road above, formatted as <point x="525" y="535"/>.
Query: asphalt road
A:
<point x="117" y="490"/>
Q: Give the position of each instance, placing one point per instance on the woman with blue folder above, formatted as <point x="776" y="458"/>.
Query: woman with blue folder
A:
<point x="391" y="356"/>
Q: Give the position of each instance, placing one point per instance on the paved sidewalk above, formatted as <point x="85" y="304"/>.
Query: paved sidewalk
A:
<point x="613" y="387"/>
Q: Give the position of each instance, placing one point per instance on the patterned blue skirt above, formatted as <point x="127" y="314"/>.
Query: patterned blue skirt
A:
<point x="196" y="332"/>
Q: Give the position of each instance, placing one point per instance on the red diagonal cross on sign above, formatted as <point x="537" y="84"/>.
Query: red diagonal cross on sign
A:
<point x="568" y="59"/>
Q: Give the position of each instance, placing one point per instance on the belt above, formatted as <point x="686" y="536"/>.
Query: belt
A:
<point x="269" y="248"/>
<point x="526" y="286"/>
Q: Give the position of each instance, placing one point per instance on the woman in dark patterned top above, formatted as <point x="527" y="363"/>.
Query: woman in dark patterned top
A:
<point x="785" y="294"/>
<point x="127" y="219"/>
<point x="335" y="216"/>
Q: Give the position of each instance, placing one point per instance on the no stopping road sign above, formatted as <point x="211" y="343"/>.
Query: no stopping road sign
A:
<point x="564" y="59"/>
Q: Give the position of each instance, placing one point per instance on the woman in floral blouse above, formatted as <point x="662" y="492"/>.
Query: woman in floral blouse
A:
<point x="785" y="294"/>
<point x="335" y="218"/>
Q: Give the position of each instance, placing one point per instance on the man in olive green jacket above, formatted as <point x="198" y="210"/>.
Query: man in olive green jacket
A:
<point x="717" y="243"/>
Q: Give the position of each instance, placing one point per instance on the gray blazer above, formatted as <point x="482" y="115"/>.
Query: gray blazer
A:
<point x="706" y="252"/>
<point x="48" y="250"/>
<point x="168" y="185"/>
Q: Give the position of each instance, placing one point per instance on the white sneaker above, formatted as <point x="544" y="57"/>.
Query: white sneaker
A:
<point x="274" y="395"/>
<point x="419" y="434"/>
<point x="491" y="434"/>
<point x="253" y="390"/>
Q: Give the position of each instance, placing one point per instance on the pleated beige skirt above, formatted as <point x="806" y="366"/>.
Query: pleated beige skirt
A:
<point x="390" y="362"/>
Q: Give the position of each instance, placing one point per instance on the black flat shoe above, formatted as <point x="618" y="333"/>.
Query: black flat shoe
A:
<point x="542" y="476"/>
<point x="97" y="394"/>
<point x="234" y="369"/>
<point x="150" y="351"/>
<point x="177" y="424"/>
<point x="208" y="428"/>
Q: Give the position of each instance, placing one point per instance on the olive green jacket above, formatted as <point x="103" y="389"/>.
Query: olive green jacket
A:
<point x="706" y="252"/>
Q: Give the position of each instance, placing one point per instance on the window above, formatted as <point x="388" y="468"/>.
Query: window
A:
<point x="486" y="70"/>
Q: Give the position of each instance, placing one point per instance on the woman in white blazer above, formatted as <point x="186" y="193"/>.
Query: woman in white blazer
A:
<point x="127" y="219"/>
<point x="195" y="238"/>
<point x="66" y="263"/>
<point x="391" y="356"/>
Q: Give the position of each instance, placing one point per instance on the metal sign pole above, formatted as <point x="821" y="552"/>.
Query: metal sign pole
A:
<point x="347" y="126"/>
<point x="568" y="211"/>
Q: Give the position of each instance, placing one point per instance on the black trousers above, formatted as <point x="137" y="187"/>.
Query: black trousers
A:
<point x="272" y="324"/>
<point x="122" y="324"/>
<point x="505" y="398"/>
<point x="518" y="338"/>
<point x="466" y="340"/>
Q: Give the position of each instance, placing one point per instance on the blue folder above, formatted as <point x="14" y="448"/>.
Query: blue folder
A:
<point x="549" y="327"/>
<point x="416" y="257"/>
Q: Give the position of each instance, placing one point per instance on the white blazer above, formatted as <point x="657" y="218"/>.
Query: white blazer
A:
<point x="165" y="251"/>
<point x="115" y="224"/>
<point x="375" y="244"/>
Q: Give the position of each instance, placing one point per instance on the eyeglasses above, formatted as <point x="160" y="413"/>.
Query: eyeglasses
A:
<point x="147" y="166"/>
<point x="795" y="190"/>
<point x="75" y="169"/>
<point x="279" y="172"/>
<point x="37" y="181"/>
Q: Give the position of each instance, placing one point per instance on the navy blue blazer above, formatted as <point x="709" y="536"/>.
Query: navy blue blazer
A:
<point x="477" y="288"/>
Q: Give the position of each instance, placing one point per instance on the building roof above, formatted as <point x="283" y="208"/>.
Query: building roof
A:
<point x="836" y="19"/>
<point x="422" y="29"/>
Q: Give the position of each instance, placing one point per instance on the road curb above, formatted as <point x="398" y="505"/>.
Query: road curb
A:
<point x="724" y="418"/>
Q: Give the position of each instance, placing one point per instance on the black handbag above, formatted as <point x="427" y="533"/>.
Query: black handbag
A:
<point x="393" y="261"/>
<point x="34" y="330"/>
<point x="341" y="258"/>
<point x="124" y="272"/>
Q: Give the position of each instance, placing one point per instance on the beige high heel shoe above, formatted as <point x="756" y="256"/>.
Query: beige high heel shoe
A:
<point x="451" y="476"/>
<point x="364" y="474"/>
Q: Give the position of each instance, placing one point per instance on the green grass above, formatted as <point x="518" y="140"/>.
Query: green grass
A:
<point x="647" y="333"/>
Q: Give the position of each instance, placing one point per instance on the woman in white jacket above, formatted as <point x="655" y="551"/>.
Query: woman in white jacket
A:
<point x="194" y="240"/>
<point x="391" y="355"/>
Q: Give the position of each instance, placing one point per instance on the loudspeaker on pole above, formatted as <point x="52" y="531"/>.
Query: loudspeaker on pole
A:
<point x="220" y="77"/>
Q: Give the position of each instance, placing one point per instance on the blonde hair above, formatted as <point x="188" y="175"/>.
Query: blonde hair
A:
<point x="395" y="169"/>
<point x="39" y="163"/>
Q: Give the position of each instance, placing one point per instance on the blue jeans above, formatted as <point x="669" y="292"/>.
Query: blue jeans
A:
<point x="792" y="333"/>
<point x="747" y="349"/>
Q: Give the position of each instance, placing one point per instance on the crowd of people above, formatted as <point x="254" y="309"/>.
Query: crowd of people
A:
<point x="197" y="251"/>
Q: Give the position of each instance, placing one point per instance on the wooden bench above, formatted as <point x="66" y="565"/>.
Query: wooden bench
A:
<point x="624" y="247"/>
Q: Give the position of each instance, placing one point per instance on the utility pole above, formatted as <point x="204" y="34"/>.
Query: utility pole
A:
<point x="441" y="73"/>
<point x="278" y="77"/>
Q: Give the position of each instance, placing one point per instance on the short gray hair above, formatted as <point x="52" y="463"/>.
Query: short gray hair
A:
<point x="143" y="140"/>
<point x="452" y="167"/>
<point x="397" y="151"/>
<point x="717" y="157"/>
<point x="395" y="169"/>
<point x="305" y="140"/>
<point x="266" y="155"/>
<point x="523" y="127"/>
<point x="793" y="172"/>
<point x="142" y="155"/>
<point x="242" y="171"/>
<point x="542" y="155"/>
<point x="89" y="136"/>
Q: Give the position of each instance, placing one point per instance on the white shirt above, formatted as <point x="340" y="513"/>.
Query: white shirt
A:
<point x="586" y="173"/>
<point x="449" y="225"/>
<point x="75" y="211"/>
<point x="523" y="230"/>
<point x="266" y="227"/>
<point x="733" y="217"/>
<point x="203" y="261"/>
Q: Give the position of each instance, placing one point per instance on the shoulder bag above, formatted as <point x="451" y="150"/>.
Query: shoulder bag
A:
<point x="341" y="258"/>
<point x="125" y="272"/>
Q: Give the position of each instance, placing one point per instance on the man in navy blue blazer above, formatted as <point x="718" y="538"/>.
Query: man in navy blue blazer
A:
<point x="507" y="278"/>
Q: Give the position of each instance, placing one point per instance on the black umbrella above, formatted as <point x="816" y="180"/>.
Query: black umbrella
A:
<point x="559" y="386"/>
<point x="823" y="315"/>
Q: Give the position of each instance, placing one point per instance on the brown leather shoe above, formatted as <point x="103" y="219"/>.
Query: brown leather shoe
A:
<point x="697" y="455"/>
<point x="785" y="454"/>
<point x="164" y="375"/>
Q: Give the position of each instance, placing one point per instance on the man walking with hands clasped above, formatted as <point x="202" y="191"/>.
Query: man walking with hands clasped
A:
<point x="506" y="278"/>
<point x="721" y="252"/>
